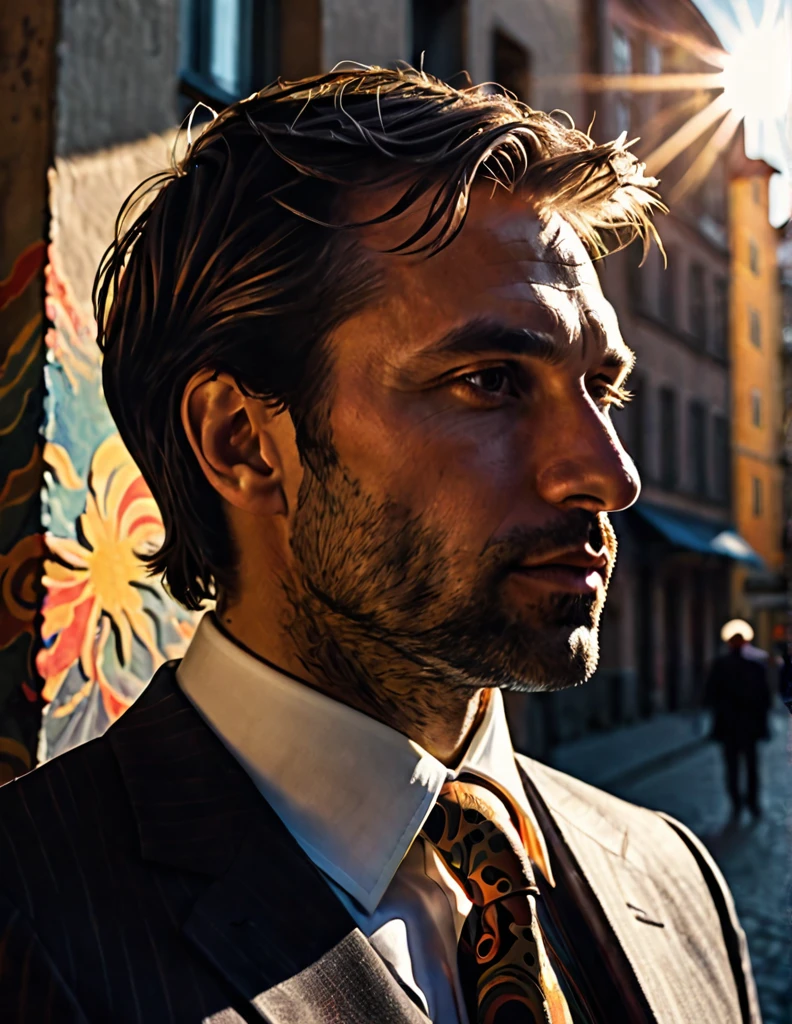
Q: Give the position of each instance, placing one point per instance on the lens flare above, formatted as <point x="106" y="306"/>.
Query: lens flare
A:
<point x="757" y="76"/>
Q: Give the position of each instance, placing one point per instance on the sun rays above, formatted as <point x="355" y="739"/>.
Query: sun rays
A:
<point x="748" y="82"/>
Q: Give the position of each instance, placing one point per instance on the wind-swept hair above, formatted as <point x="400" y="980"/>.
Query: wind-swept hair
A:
<point x="242" y="257"/>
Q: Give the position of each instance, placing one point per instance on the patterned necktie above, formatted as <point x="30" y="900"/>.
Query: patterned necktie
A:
<point x="515" y="983"/>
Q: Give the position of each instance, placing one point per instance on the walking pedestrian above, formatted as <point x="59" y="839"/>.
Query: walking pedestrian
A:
<point x="785" y="677"/>
<point x="738" y="693"/>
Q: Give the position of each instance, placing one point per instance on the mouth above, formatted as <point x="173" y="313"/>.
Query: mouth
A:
<point x="582" y="571"/>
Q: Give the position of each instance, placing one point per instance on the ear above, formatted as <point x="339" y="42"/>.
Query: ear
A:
<point x="229" y="433"/>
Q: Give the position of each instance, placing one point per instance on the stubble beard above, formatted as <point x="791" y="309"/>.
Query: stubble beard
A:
<point x="378" y="613"/>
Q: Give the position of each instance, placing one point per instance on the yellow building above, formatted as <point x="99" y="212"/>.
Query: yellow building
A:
<point x="757" y="396"/>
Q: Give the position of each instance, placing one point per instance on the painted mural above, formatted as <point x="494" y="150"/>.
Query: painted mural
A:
<point x="106" y="626"/>
<point x="27" y="88"/>
<point x="21" y="543"/>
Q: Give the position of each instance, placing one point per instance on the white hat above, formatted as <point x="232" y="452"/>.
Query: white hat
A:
<point x="737" y="627"/>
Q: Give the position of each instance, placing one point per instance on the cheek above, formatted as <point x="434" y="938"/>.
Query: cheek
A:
<point x="476" y="486"/>
<point x="464" y="474"/>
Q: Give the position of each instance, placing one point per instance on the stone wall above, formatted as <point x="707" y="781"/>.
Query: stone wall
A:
<point x="363" y="31"/>
<point x="551" y="33"/>
<point x="117" y="66"/>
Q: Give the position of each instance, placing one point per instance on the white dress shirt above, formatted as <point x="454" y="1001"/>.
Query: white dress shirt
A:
<point x="355" y="794"/>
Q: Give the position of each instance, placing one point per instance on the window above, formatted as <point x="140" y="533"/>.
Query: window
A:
<point x="668" y="290"/>
<point x="633" y="422"/>
<point x="753" y="258"/>
<point x="720" y="329"/>
<point x="437" y="36"/>
<point x="756" y="407"/>
<point x="756" y="328"/>
<point x="697" y="302"/>
<point x="622" y="113"/>
<point x="712" y="200"/>
<point x="511" y="65"/>
<point x="229" y="48"/>
<point x="721" y="461"/>
<point x="697" y="447"/>
<point x="622" y="53"/>
<point x="653" y="55"/>
<point x="636" y="276"/>
<point x="668" y="438"/>
<point x="757" y="497"/>
<point x="622" y="57"/>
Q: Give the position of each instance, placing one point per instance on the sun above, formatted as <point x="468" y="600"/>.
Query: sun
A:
<point x="757" y="74"/>
<point x="749" y="85"/>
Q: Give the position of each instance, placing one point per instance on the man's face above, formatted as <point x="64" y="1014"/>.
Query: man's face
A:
<point x="462" y="526"/>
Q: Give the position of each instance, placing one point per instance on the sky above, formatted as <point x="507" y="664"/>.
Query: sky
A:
<point x="771" y="140"/>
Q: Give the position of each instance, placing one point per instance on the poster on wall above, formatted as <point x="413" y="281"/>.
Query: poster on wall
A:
<point x="106" y="625"/>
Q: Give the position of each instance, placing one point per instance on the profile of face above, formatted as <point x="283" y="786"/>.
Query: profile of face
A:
<point x="459" y="524"/>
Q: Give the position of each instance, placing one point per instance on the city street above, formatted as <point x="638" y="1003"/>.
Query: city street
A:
<point x="754" y="857"/>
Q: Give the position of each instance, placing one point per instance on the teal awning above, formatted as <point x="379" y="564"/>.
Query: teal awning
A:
<point x="694" y="533"/>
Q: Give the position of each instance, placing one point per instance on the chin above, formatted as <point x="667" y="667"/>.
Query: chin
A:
<point x="560" y="660"/>
<point x="554" y="648"/>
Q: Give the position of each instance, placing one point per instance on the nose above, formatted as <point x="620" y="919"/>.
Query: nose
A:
<point x="584" y="464"/>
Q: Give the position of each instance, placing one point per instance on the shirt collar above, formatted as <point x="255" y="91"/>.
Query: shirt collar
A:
<point x="353" y="792"/>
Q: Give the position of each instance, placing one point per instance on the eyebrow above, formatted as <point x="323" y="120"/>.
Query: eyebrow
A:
<point x="481" y="336"/>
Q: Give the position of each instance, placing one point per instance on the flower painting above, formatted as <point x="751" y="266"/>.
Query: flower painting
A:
<point x="106" y="624"/>
<point x="95" y="583"/>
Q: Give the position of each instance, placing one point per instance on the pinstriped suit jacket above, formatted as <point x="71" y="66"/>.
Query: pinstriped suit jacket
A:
<point x="143" y="880"/>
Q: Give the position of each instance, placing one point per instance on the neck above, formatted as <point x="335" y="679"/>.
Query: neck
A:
<point x="368" y="675"/>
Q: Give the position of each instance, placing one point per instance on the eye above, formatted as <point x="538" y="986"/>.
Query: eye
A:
<point x="492" y="381"/>
<point x="606" y="394"/>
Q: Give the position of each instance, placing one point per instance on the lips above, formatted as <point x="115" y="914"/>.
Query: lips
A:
<point x="580" y="571"/>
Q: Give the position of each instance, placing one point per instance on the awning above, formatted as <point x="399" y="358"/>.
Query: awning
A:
<point x="694" y="533"/>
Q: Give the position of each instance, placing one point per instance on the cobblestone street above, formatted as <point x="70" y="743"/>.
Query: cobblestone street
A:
<point x="754" y="857"/>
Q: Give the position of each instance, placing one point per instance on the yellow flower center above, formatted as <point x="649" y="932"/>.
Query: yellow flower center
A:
<point x="113" y="567"/>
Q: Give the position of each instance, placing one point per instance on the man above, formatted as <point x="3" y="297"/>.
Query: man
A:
<point x="785" y="675"/>
<point x="360" y="353"/>
<point x="738" y="693"/>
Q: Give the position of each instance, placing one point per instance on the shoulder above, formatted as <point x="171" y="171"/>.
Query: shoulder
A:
<point x="55" y="819"/>
<point x="661" y="846"/>
<point x="692" y="890"/>
<point x="571" y="798"/>
<point x="641" y="830"/>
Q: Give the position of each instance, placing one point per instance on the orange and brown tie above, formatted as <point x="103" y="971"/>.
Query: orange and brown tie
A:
<point x="515" y="984"/>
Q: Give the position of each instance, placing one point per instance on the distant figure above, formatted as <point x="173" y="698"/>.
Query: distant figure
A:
<point x="739" y="695"/>
<point x="785" y="677"/>
<point x="748" y="650"/>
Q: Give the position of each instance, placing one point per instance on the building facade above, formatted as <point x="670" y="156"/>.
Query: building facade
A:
<point x="679" y="544"/>
<point x="785" y="278"/>
<point x="758" y="593"/>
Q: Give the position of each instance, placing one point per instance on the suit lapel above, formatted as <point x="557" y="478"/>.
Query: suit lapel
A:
<point x="267" y="920"/>
<point x="661" y="918"/>
<point x="276" y="931"/>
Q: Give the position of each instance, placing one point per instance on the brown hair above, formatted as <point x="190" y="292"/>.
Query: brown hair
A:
<point x="243" y="263"/>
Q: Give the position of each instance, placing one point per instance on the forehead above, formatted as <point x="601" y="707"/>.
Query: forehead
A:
<point x="507" y="263"/>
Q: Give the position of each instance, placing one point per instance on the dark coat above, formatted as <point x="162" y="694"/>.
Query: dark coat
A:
<point x="143" y="878"/>
<point x="785" y="681"/>
<point x="739" y="694"/>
